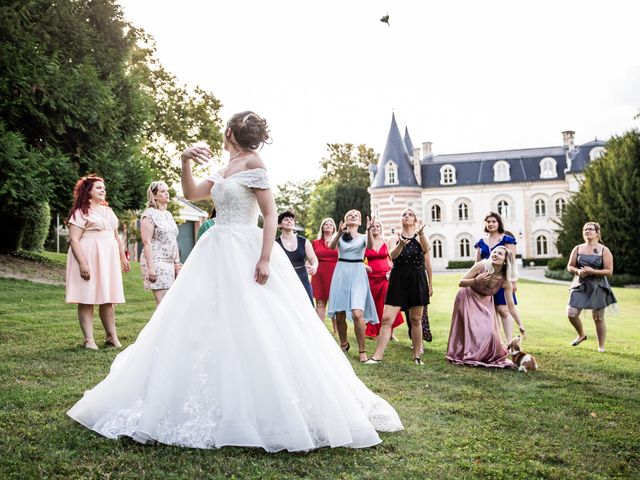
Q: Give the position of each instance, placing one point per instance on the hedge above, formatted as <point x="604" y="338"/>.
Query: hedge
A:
<point x="616" y="280"/>
<point x="460" y="264"/>
<point x="37" y="218"/>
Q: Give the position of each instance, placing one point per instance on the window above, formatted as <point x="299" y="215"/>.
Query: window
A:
<point x="391" y="173"/>
<point x="596" y="153"/>
<point x="463" y="211"/>
<point x="548" y="168"/>
<point x="501" y="172"/>
<point x="540" y="208"/>
<point x="437" y="248"/>
<point x="542" y="245"/>
<point x="436" y="213"/>
<point x="465" y="247"/>
<point x="447" y="175"/>
<point x="561" y="206"/>
<point x="504" y="209"/>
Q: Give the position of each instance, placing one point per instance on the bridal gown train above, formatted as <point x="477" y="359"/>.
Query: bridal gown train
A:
<point x="225" y="361"/>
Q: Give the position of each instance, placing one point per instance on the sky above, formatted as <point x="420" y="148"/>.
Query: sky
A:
<point x="464" y="74"/>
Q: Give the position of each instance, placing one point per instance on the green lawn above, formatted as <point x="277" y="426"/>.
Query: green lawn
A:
<point x="577" y="417"/>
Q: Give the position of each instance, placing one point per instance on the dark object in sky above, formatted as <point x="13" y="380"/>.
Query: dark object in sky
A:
<point x="385" y="19"/>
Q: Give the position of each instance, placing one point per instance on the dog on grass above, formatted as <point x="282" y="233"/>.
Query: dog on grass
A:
<point x="522" y="360"/>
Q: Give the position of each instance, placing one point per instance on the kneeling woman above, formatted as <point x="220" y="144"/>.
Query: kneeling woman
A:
<point x="474" y="338"/>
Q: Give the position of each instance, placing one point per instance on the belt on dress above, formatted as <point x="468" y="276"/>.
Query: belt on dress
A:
<point x="351" y="260"/>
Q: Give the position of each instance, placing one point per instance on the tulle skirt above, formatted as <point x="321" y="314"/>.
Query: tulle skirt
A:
<point x="225" y="361"/>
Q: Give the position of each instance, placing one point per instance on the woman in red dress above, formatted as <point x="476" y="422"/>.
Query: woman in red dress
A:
<point x="378" y="268"/>
<point x="327" y="259"/>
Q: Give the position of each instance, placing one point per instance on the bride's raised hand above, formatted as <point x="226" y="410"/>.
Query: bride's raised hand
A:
<point x="200" y="154"/>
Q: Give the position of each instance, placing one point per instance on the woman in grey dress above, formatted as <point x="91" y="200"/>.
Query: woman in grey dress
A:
<point x="591" y="262"/>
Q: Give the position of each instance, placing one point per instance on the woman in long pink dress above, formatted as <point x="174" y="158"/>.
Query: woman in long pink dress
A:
<point x="474" y="338"/>
<point x="327" y="260"/>
<point x="378" y="267"/>
<point x="94" y="260"/>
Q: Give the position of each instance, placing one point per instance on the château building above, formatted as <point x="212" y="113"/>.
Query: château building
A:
<point x="452" y="193"/>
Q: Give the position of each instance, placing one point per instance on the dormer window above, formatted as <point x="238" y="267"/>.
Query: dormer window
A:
<point x="501" y="172"/>
<point x="548" y="168"/>
<point x="391" y="173"/>
<point x="596" y="153"/>
<point x="447" y="175"/>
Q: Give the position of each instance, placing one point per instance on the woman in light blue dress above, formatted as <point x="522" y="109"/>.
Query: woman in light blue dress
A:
<point x="350" y="294"/>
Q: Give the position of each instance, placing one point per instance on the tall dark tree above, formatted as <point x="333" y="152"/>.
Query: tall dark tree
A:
<point x="344" y="183"/>
<point x="296" y="197"/>
<point x="609" y="195"/>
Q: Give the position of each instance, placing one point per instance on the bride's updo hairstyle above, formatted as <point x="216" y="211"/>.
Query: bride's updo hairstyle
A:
<point x="249" y="130"/>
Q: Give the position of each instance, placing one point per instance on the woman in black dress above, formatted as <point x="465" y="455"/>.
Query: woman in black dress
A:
<point x="298" y="249"/>
<point x="408" y="286"/>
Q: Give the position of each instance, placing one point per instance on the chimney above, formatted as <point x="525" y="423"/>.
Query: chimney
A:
<point x="426" y="149"/>
<point x="568" y="139"/>
<point x="417" y="168"/>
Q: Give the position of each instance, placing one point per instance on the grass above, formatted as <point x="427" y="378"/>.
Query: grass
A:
<point x="576" y="418"/>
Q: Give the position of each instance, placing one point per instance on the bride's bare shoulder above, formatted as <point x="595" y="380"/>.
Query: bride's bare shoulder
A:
<point x="255" y="162"/>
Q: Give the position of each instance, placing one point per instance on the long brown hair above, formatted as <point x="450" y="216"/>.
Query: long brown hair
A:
<point x="82" y="195"/>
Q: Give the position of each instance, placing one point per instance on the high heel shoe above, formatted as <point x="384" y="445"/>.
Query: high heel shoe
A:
<point x="345" y="347"/>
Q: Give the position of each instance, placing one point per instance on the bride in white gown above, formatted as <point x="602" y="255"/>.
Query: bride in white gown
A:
<point x="234" y="354"/>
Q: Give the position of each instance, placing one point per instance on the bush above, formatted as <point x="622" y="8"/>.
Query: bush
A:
<point x="36" y="227"/>
<point x="537" y="262"/>
<point x="618" y="280"/>
<point x="558" y="275"/>
<point x="460" y="264"/>
<point x="557" y="263"/>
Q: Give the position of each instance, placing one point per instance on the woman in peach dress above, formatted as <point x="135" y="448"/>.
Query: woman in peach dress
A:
<point x="94" y="260"/>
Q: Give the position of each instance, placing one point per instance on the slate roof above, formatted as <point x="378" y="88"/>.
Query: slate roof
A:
<point x="475" y="168"/>
<point x="396" y="150"/>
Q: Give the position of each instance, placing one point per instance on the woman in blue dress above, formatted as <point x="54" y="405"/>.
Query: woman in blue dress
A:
<point x="496" y="236"/>
<point x="350" y="294"/>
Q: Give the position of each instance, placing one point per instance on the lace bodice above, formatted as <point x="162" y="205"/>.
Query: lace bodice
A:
<point x="236" y="203"/>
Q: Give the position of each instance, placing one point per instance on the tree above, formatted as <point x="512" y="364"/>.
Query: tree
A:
<point x="609" y="195"/>
<point x="344" y="183"/>
<point x="296" y="197"/>
<point x="83" y="92"/>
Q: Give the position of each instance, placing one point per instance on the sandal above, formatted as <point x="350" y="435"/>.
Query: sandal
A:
<point x="365" y="352"/>
<point x="372" y="361"/>
<point x="578" y="341"/>
<point x="112" y="342"/>
<point x="418" y="361"/>
<point x="345" y="347"/>
<point x="90" y="344"/>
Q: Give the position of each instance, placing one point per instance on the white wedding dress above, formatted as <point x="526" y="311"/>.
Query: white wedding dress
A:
<point x="225" y="361"/>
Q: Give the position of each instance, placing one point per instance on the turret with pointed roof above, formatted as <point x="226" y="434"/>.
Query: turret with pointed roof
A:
<point x="395" y="151"/>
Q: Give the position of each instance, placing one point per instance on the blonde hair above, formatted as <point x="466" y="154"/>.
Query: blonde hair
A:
<point x="509" y="268"/>
<point x="151" y="193"/>
<point x="350" y="211"/>
<point x="328" y="219"/>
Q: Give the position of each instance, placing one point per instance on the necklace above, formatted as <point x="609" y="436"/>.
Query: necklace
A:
<point x="238" y="154"/>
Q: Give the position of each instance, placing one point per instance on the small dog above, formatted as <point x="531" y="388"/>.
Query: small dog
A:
<point x="522" y="360"/>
